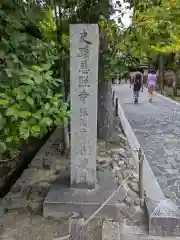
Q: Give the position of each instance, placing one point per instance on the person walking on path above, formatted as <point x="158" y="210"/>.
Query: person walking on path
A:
<point x="151" y="83"/>
<point x="137" y="82"/>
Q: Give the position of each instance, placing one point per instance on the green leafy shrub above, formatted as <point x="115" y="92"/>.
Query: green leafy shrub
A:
<point x="30" y="100"/>
<point x="31" y="108"/>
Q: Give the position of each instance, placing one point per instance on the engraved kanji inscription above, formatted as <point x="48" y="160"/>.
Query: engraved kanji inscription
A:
<point x="83" y="96"/>
<point x="84" y="161"/>
<point x="83" y="113"/>
<point x="83" y="148"/>
<point x="84" y="126"/>
<point x="84" y="67"/>
<point x="83" y="52"/>
<point x="83" y="36"/>
<point x="83" y="81"/>
<point x="83" y="176"/>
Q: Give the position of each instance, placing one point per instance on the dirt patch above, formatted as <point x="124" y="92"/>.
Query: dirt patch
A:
<point x="21" y="208"/>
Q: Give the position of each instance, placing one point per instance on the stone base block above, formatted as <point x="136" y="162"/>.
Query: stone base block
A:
<point x="164" y="218"/>
<point x="62" y="199"/>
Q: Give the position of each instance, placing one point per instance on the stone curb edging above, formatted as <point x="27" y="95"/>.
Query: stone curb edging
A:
<point x="134" y="144"/>
<point x="166" y="98"/>
<point x="163" y="214"/>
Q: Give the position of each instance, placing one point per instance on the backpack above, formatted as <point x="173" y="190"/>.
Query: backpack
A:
<point x="137" y="79"/>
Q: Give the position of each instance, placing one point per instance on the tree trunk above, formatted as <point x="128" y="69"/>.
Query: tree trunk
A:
<point x="105" y="111"/>
<point x="174" y="90"/>
<point x="57" y="22"/>
<point x="176" y="78"/>
<point x="105" y="107"/>
<point x="161" y="73"/>
<point x="149" y="65"/>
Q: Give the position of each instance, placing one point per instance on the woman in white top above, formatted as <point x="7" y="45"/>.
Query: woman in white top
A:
<point x="151" y="83"/>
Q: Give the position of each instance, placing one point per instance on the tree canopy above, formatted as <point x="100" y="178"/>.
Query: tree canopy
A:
<point x="34" y="55"/>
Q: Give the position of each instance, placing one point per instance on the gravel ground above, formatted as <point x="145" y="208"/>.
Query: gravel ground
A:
<point x="21" y="209"/>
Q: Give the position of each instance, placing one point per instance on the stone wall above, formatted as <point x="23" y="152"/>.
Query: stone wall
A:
<point x="31" y="188"/>
<point x="10" y="169"/>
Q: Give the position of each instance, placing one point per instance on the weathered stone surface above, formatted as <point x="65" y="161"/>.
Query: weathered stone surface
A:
<point x="132" y="194"/>
<point x="102" y="153"/>
<point x="139" y="232"/>
<point x="127" y="173"/>
<point x="110" y="230"/>
<point x="115" y="166"/>
<point x="119" y="175"/>
<point x="34" y="183"/>
<point x="62" y="199"/>
<point x="122" y="138"/>
<point x="2" y="209"/>
<point x="164" y="218"/>
<point x="36" y="207"/>
<point x="137" y="202"/>
<point x="121" y="164"/>
<point x="84" y="80"/>
<point x="128" y="200"/>
<point x="129" y="213"/>
<point x="134" y="186"/>
<point x="118" y="151"/>
<point x="101" y="144"/>
<point x="30" y="226"/>
<point x="103" y="160"/>
<point x="9" y="167"/>
<point x="16" y="203"/>
<point x="16" y="189"/>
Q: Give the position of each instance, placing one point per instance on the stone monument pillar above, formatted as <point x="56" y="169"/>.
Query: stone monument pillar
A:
<point x="86" y="192"/>
<point x="84" y="50"/>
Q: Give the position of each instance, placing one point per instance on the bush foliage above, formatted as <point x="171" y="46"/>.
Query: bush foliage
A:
<point x="30" y="99"/>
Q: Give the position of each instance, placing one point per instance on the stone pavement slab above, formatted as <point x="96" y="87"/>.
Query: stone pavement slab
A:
<point x="128" y="232"/>
<point x="157" y="128"/>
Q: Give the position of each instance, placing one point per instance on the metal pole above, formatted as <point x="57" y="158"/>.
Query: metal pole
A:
<point x="113" y="98"/>
<point x="116" y="107"/>
<point x="66" y="134"/>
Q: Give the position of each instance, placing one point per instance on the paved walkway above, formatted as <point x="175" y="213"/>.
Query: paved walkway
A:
<point x="157" y="128"/>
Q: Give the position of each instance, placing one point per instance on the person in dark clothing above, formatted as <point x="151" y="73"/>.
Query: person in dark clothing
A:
<point x="137" y="82"/>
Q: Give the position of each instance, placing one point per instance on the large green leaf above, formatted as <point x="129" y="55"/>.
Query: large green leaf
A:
<point x="27" y="80"/>
<point x="30" y="101"/>
<point x="46" y="122"/>
<point x="38" y="79"/>
<point x="3" y="147"/>
<point x="24" y="114"/>
<point x="37" y="68"/>
<point x="46" y="67"/>
<point x="24" y="133"/>
<point x="36" y="128"/>
<point x="3" y="102"/>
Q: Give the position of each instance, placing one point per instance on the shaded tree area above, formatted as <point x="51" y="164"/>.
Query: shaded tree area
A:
<point x="34" y="65"/>
<point x="154" y="36"/>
